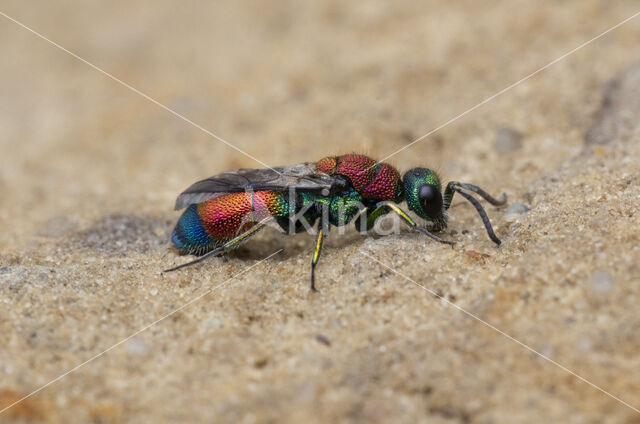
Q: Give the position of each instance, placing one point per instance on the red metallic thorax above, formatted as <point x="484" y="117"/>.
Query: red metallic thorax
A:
<point x="374" y="181"/>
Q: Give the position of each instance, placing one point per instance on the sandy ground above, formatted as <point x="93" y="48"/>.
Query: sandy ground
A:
<point x="89" y="171"/>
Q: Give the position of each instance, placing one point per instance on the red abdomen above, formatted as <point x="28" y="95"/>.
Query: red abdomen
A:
<point x="230" y="215"/>
<point x="209" y="224"/>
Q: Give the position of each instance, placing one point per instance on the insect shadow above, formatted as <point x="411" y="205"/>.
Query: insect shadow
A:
<point x="123" y="233"/>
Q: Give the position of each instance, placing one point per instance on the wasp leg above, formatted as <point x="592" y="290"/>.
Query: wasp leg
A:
<point x="230" y="245"/>
<point x="458" y="187"/>
<point x="407" y="220"/>
<point x="367" y="219"/>
<point x="322" y="229"/>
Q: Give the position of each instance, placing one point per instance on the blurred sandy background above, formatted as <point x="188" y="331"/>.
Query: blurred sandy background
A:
<point x="89" y="171"/>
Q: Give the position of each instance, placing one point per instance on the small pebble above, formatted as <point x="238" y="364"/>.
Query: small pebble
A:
<point x="515" y="209"/>
<point x="323" y="339"/>
<point x="602" y="282"/>
<point x="138" y="347"/>
<point x="153" y="291"/>
<point x="545" y="349"/>
<point x="585" y="344"/>
<point x="507" y="140"/>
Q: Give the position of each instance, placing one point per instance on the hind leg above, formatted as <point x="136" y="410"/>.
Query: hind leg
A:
<point x="230" y="245"/>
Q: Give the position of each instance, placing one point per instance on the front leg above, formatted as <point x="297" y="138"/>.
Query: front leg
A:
<point x="410" y="223"/>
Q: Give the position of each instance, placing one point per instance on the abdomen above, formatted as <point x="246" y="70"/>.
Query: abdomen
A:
<point x="207" y="225"/>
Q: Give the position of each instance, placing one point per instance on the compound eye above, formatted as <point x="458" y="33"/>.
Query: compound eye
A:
<point x="430" y="200"/>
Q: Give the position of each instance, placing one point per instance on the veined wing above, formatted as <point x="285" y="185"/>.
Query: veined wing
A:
<point x="300" y="177"/>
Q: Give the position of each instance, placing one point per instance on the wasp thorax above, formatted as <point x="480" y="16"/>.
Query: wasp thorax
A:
<point x="423" y="194"/>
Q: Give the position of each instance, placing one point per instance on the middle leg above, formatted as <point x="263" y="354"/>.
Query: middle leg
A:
<point x="322" y="230"/>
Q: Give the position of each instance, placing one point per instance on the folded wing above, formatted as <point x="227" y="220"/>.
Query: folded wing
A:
<point x="300" y="177"/>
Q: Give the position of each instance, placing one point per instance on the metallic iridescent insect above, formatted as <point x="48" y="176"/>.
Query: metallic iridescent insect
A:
<point x="225" y="210"/>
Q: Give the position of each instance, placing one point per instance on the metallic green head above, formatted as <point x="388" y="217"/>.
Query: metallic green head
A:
<point x="423" y="193"/>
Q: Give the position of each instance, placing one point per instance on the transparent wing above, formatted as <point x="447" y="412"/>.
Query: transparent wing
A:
<point x="300" y="177"/>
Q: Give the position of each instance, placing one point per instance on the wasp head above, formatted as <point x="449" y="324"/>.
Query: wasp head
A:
<point x="423" y="193"/>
